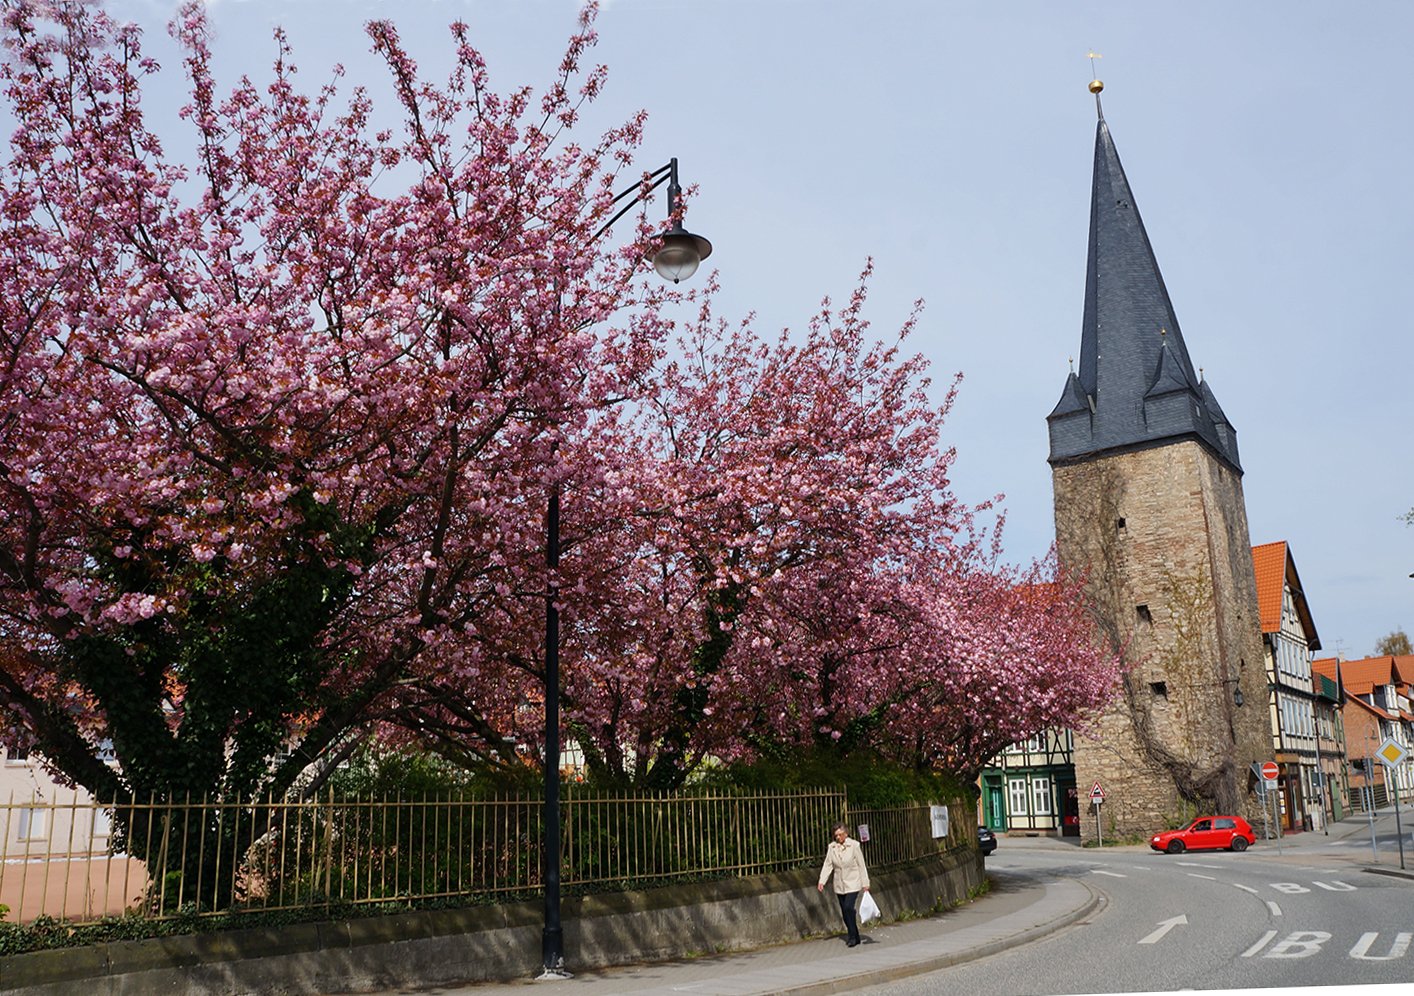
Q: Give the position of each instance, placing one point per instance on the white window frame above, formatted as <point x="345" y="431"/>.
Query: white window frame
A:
<point x="1041" y="796"/>
<point x="1017" y="792"/>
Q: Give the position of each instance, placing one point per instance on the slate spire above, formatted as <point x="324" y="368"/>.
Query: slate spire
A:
<point x="1138" y="383"/>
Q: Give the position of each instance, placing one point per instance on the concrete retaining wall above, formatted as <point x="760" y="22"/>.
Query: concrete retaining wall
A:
<point x="499" y="943"/>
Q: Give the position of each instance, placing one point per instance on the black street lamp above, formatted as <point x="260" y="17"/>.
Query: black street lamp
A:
<point x="679" y="251"/>
<point x="678" y="254"/>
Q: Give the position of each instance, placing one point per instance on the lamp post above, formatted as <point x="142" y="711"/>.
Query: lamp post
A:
<point x="677" y="257"/>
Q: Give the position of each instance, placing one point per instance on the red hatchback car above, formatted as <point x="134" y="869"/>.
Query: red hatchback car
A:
<point x="1230" y="832"/>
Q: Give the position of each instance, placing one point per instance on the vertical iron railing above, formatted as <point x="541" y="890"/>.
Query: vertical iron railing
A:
<point x="81" y="860"/>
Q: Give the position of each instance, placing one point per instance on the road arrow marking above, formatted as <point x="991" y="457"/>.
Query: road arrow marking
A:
<point x="1164" y="927"/>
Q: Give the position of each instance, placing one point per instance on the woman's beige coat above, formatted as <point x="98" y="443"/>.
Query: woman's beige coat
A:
<point x="846" y="862"/>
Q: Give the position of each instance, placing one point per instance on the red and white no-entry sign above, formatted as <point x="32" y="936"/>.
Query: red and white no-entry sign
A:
<point x="1270" y="771"/>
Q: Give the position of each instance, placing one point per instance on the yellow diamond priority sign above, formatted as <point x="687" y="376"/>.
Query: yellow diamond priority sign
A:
<point x="1392" y="752"/>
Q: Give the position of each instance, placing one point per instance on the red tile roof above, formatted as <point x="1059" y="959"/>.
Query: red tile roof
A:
<point x="1362" y="675"/>
<point x="1376" y="710"/>
<point x="1325" y="666"/>
<point x="1404" y="668"/>
<point x="1269" y="563"/>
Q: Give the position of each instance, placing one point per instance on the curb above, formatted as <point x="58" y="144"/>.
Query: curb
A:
<point x="879" y="976"/>
<point x="1391" y="872"/>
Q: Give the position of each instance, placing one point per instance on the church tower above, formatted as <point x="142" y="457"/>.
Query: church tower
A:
<point x="1149" y="509"/>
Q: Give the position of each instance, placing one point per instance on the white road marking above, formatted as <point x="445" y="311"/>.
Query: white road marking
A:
<point x="1301" y="944"/>
<point x="1245" y="888"/>
<point x="1196" y="875"/>
<point x="1194" y="864"/>
<point x="1276" y="910"/>
<point x="1101" y="871"/>
<point x="1266" y="939"/>
<point x="1164" y="927"/>
<point x="1361" y="951"/>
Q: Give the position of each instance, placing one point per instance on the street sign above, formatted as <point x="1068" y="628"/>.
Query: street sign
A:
<point x="1270" y="771"/>
<point x="1097" y="794"/>
<point x="1392" y="752"/>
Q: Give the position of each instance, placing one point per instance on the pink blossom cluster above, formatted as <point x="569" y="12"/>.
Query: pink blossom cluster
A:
<point x="302" y="328"/>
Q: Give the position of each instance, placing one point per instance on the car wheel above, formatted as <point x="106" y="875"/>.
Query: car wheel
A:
<point x="1175" y="847"/>
<point x="1239" y="843"/>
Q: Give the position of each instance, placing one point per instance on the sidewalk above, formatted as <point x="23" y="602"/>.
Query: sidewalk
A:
<point x="1015" y="911"/>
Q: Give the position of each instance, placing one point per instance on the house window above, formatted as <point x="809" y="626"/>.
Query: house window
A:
<point x="102" y="823"/>
<point x="1041" y="796"/>
<point x="1016" y="788"/>
<point x="32" y="823"/>
<point x="18" y="756"/>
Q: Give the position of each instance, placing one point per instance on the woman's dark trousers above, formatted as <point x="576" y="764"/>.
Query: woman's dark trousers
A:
<point x="847" y="901"/>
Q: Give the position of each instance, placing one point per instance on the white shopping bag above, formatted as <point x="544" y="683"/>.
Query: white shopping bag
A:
<point x="868" y="909"/>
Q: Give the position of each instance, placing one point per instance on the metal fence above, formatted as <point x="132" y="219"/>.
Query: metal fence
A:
<point x="81" y="860"/>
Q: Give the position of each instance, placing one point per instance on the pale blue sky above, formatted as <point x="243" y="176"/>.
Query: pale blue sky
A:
<point x="1268" y="144"/>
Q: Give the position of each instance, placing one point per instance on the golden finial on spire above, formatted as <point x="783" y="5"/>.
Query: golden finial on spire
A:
<point x="1072" y="364"/>
<point x="1096" y="85"/>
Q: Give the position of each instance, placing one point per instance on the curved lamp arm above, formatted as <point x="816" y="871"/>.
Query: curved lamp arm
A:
<point x="679" y="251"/>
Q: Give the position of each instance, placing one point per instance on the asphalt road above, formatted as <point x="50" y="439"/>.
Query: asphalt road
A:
<point x="1307" y="916"/>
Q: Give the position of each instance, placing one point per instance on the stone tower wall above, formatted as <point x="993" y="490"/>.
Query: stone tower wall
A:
<point x="1162" y="535"/>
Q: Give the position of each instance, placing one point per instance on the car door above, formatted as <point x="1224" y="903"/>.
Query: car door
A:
<point x="1200" y="834"/>
<point x="1224" y="828"/>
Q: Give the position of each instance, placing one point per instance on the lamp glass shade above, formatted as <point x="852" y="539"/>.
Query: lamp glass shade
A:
<point x="679" y="254"/>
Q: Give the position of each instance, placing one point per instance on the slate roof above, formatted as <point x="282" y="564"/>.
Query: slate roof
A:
<point x="1137" y="385"/>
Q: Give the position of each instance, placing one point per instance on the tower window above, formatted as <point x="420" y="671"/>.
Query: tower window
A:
<point x="1145" y="616"/>
<point x="1119" y="523"/>
<point x="1159" y="688"/>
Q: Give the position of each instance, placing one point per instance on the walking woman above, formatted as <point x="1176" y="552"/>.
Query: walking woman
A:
<point x="845" y="860"/>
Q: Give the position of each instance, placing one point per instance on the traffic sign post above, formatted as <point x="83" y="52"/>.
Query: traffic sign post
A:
<point x="1392" y="754"/>
<point x="1097" y="799"/>
<point x="1267" y="772"/>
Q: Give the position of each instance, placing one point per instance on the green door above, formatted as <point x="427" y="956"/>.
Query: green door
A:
<point x="995" y="806"/>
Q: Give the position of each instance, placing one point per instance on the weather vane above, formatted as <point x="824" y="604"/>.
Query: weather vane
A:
<point x="1095" y="85"/>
